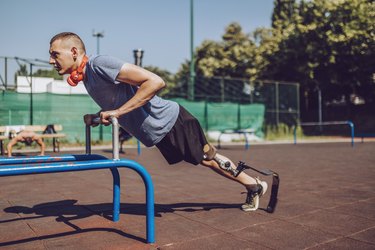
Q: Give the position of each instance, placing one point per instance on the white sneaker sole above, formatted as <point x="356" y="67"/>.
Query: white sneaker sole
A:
<point x="247" y="207"/>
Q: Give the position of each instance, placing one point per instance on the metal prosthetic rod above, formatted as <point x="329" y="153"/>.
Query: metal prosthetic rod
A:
<point x="210" y="154"/>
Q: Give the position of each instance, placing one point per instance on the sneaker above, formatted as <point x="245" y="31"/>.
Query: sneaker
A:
<point x="253" y="195"/>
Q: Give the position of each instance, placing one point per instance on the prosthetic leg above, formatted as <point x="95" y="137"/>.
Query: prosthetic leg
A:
<point x="210" y="154"/>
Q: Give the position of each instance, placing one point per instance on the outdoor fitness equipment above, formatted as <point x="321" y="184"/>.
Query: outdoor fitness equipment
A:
<point x="88" y="161"/>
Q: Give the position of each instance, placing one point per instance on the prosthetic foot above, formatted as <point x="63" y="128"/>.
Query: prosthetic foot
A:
<point x="255" y="192"/>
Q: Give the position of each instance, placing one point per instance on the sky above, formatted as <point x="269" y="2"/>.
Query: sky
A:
<point x="159" y="27"/>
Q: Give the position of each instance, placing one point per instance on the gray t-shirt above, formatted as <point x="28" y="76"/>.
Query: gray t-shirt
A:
<point x="149" y="123"/>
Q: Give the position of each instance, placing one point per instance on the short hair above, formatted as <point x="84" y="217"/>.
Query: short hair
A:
<point x="69" y="35"/>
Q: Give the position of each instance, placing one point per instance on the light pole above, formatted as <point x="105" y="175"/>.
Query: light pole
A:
<point x="138" y="55"/>
<point x="192" y="62"/>
<point x="98" y="35"/>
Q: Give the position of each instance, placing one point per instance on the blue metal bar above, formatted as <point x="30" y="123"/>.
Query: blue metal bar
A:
<point x="54" y="167"/>
<point x="247" y="145"/>
<point x="139" y="147"/>
<point x="116" y="194"/>
<point x="46" y="159"/>
<point x="349" y="123"/>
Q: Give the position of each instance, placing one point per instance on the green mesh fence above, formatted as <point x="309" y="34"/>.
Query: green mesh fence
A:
<point x="252" y="116"/>
<point x="68" y="110"/>
<point x="226" y="115"/>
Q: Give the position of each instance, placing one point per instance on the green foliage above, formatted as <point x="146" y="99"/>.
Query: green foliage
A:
<point x="48" y="73"/>
<point x="321" y="43"/>
<point x="282" y="131"/>
<point x="232" y="57"/>
<point x="22" y="71"/>
<point x="283" y="12"/>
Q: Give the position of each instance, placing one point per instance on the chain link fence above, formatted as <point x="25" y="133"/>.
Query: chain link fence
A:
<point x="281" y="99"/>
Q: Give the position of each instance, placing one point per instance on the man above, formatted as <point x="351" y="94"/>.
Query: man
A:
<point x="128" y="92"/>
<point x="27" y="137"/>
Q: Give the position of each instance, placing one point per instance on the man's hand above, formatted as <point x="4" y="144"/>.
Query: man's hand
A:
<point x="106" y="115"/>
<point x="89" y="118"/>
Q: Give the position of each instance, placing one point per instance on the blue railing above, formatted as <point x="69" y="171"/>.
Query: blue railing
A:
<point x="349" y="123"/>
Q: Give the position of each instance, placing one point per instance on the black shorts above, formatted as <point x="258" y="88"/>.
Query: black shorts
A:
<point x="185" y="141"/>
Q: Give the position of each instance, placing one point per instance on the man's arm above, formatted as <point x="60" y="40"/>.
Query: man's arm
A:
<point x="148" y="85"/>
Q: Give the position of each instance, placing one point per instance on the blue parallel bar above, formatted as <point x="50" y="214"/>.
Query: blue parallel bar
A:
<point x="116" y="194"/>
<point x="54" y="167"/>
<point x="138" y="147"/>
<point x="46" y="159"/>
<point x="349" y="123"/>
<point x="247" y="146"/>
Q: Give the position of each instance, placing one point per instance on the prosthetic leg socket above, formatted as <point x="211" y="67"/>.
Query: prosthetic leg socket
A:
<point x="209" y="153"/>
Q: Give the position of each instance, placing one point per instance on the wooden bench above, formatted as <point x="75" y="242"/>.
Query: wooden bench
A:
<point x="45" y="131"/>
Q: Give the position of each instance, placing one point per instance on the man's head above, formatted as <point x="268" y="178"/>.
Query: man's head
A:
<point x="28" y="141"/>
<point x="66" y="52"/>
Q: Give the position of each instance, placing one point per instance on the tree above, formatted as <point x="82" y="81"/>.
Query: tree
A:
<point x="48" y="73"/>
<point x="283" y="12"/>
<point x="324" y="44"/>
<point x="232" y="57"/>
<point x="22" y="71"/>
<point x="39" y="73"/>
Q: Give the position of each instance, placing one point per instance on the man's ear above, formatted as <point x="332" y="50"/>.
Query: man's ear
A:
<point x="74" y="51"/>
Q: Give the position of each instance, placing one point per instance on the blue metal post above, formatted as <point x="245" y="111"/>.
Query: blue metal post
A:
<point x="116" y="194"/>
<point x="351" y="125"/>
<point x="247" y="146"/>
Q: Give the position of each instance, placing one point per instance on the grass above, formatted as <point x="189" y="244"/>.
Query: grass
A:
<point x="281" y="132"/>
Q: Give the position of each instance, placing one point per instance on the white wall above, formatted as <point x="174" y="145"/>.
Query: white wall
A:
<point x="49" y="85"/>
